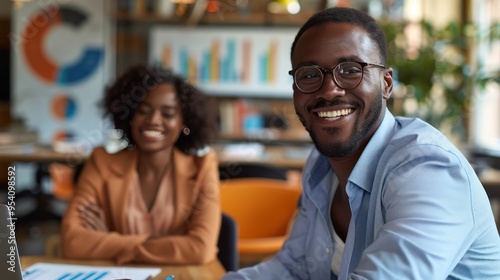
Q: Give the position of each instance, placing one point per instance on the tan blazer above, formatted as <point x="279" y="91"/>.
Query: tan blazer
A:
<point x="105" y="180"/>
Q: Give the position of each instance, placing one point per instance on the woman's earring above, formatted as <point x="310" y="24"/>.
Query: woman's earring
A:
<point x="186" y="131"/>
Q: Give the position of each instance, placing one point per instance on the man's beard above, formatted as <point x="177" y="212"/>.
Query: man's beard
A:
<point x="362" y="127"/>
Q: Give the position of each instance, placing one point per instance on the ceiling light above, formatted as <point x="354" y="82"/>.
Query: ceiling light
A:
<point x="284" y="6"/>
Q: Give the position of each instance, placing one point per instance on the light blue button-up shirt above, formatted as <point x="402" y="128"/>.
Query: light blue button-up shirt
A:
<point x="418" y="212"/>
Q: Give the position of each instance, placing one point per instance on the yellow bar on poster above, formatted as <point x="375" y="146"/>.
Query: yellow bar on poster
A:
<point x="214" y="62"/>
<point x="271" y="61"/>
<point x="192" y="69"/>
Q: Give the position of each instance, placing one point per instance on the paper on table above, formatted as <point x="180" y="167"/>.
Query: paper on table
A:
<point x="49" y="271"/>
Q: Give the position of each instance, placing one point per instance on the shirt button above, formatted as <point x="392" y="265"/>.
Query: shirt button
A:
<point x="327" y="251"/>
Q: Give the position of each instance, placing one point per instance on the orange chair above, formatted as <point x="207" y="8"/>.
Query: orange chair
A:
<point x="62" y="176"/>
<point x="263" y="210"/>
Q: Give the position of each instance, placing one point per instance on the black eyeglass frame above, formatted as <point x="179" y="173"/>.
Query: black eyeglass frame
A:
<point x="325" y="71"/>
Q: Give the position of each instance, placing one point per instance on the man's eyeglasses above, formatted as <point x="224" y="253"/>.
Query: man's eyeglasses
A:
<point x="346" y="75"/>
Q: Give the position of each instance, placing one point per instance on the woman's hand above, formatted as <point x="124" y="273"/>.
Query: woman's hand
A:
<point x="92" y="217"/>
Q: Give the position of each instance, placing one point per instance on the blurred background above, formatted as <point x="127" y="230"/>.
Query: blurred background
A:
<point x="57" y="57"/>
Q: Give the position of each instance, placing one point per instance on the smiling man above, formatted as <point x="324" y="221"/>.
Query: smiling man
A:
<point x="384" y="197"/>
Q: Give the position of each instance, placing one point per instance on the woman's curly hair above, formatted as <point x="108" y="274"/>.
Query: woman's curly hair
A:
<point x="123" y="97"/>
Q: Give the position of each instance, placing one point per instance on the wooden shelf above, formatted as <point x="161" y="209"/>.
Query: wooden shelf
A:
<point x="147" y="18"/>
<point x="228" y="18"/>
<point x="256" y="19"/>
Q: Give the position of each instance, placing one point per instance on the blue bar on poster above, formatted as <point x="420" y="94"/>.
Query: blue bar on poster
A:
<point x="224" y="68"/>
<point x="205" y="68"/>
<point x="184" y="63"/>
<point x="231" y="60"/>
<point x="263" y="69"/>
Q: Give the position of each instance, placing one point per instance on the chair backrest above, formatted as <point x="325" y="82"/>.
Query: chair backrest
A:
<point x="62" y="177"/>
<point x="261" y="207"/>
<point x="228" y="243"/>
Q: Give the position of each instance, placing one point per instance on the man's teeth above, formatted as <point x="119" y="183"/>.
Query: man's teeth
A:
<point x="335" y="114"/>
<point x="153" y="133"/>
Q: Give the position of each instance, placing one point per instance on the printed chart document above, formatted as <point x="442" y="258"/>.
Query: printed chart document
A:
<point x="49" y="271"/>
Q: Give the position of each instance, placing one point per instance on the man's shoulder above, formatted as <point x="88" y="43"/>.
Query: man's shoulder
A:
<point x="414" y="131"/>
<point x="415" y="139"/>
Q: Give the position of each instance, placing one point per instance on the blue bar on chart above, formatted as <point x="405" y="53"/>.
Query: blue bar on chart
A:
<point x="204" y="72"/>
<point x="228" y="67"/>
<point x="83" y="276"/>
<point x="183" y="62"/>
<point x="268" y="64"/>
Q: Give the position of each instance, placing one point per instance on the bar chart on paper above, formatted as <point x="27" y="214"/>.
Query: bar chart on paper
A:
<point x="225" y="60"/>
<point x="46" y="271"/>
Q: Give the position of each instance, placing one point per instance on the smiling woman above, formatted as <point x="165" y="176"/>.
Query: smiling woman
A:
<point x="157" y="200"/>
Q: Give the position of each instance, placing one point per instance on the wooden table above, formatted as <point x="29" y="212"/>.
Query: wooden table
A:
<point x="40" y="154"/>
<point x="213" y="270"/>
<point x="283" y="156"/>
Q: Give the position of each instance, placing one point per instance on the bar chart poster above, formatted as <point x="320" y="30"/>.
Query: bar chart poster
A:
<point x="226" y="61"/>
<point x="61" y="63"/>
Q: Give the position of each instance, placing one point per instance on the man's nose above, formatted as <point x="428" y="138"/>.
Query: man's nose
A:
<point x="330" y="89"/>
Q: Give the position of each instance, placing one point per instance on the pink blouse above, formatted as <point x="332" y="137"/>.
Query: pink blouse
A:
<point x="158" y="220"/>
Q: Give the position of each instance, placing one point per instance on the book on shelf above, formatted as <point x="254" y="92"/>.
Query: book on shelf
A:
<point x="239" y="116"/>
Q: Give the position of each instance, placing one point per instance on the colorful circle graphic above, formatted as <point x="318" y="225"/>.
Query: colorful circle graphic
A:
<point x="35" y="32"/>
<point x="63" y="107"/>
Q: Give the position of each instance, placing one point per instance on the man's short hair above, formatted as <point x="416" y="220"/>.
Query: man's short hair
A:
<point x="347" y="15"/>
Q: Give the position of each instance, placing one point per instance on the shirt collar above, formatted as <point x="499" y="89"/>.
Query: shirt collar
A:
<point x="364" y="171"/>
<point x="318" y="169"/>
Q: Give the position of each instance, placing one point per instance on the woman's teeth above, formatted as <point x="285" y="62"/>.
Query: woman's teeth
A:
<point x="152" y="133"/>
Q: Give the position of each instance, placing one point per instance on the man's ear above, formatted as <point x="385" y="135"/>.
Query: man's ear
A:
<point x="387" y="83"/>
